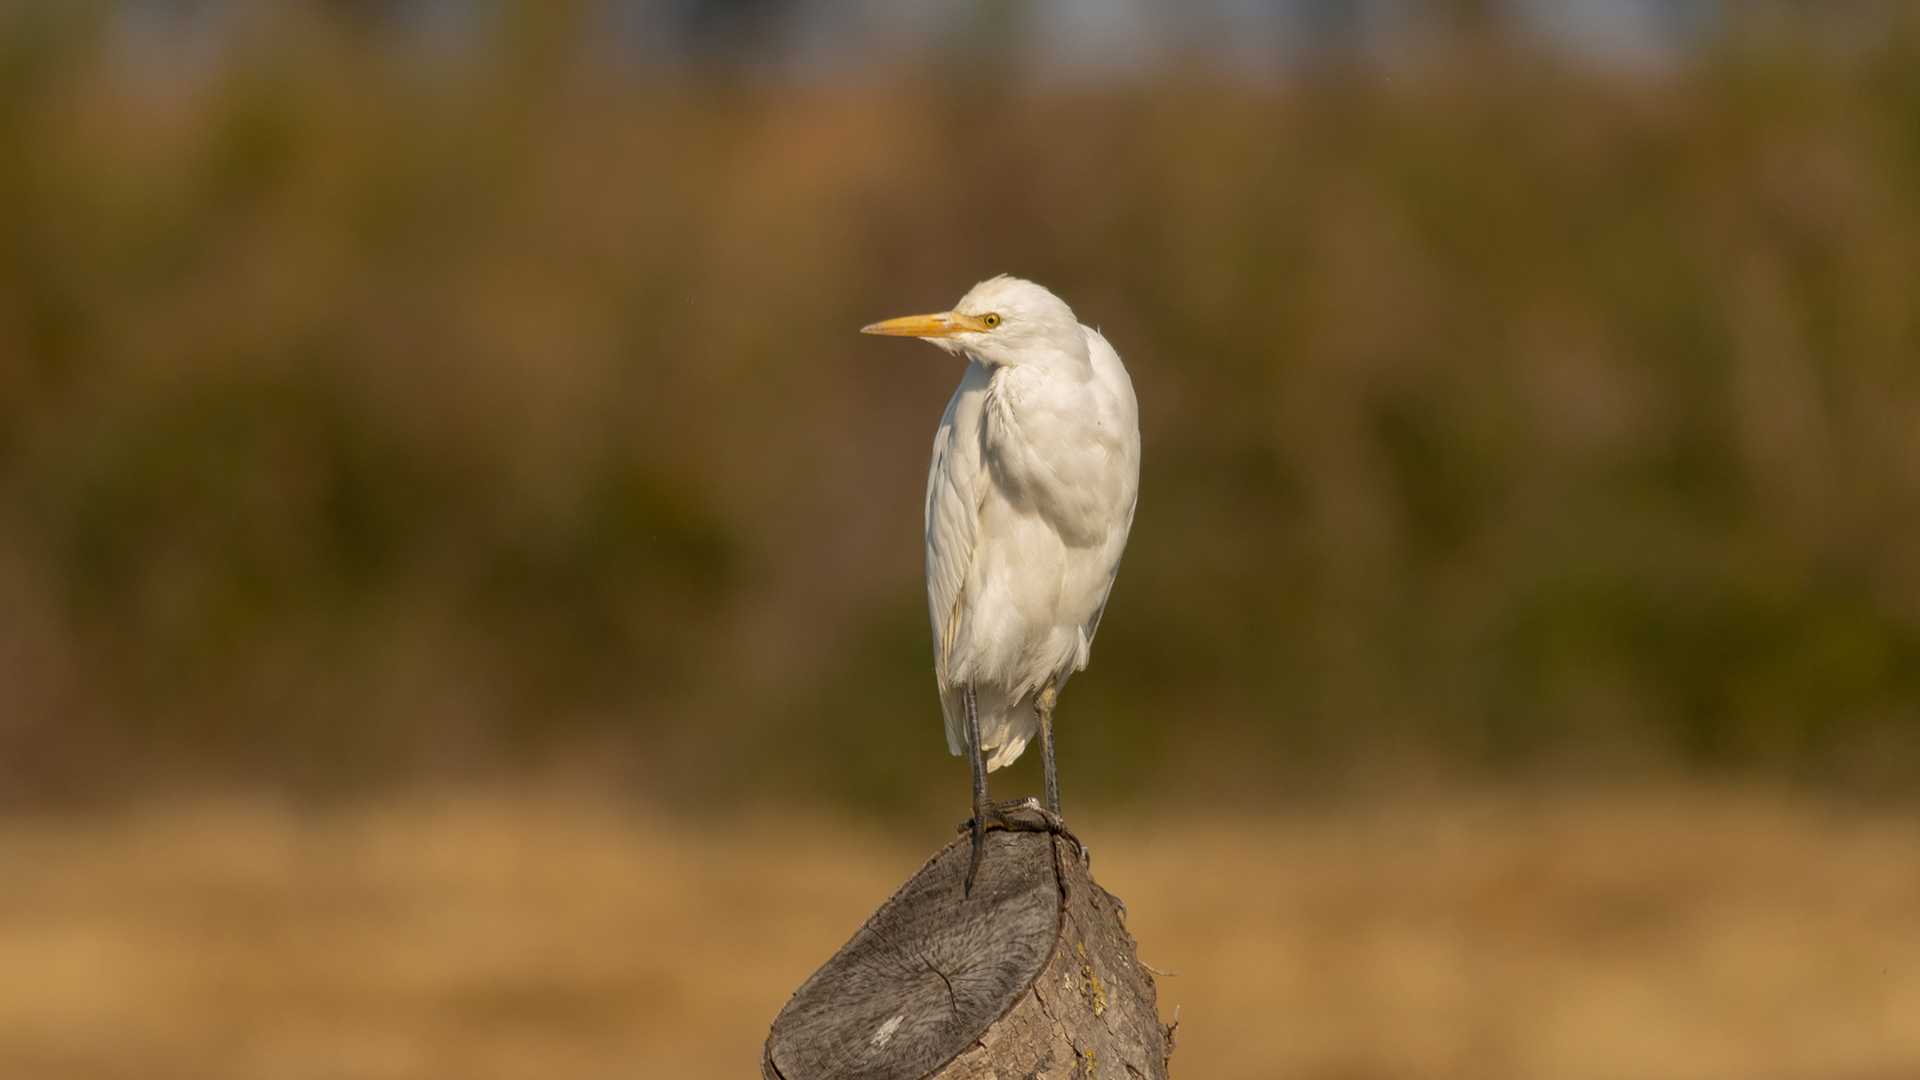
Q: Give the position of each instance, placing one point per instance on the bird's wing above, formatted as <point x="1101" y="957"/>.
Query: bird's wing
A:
<point x="954" y="485"/>
<point x="1093" y="624"/>
<point x="1118" y="407"/>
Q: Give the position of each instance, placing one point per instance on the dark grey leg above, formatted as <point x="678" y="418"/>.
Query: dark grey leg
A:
<point x="1043" y="706"/>
<point x="983" y="807"/>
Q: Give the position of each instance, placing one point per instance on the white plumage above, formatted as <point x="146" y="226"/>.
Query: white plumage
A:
<point x="1036" y="466"/>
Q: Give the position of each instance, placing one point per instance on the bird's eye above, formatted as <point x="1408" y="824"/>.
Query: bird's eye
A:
<point x="991" y="321"/>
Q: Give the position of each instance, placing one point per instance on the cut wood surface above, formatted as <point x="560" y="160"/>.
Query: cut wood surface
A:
<point x="1033" y="975"/>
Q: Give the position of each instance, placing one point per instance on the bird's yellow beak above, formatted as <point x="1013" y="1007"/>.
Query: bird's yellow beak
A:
<point x="945" y="324"/>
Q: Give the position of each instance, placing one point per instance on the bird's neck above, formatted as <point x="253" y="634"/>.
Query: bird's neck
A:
<point x="1046" y="360"/>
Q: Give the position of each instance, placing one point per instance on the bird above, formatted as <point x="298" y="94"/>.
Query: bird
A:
<point x="1030" y="497"/>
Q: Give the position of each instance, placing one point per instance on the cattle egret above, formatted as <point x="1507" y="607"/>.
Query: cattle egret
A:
<point x="1036" y="466"/>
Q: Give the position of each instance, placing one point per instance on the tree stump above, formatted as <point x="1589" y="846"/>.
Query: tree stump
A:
<point x="1031" y="977"/>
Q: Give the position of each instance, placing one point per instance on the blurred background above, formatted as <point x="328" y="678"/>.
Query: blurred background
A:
<point x="454" y="545"/>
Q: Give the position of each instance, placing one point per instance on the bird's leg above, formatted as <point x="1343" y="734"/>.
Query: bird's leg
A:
<point x="982" y="805"/>
<point x="1019" y="815"/>
<point x="1050" y="776"/>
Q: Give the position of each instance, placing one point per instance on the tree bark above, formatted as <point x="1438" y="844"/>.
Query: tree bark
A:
<point x="1032" y="977"/>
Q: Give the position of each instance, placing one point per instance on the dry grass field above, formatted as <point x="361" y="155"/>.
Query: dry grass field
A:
<point x="489" y="935"/>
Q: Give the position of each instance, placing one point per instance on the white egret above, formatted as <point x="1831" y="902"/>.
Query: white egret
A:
<point x="1036" y="466"/>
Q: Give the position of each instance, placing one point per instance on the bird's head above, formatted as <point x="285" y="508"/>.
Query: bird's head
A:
<point x="1003" y="321"/>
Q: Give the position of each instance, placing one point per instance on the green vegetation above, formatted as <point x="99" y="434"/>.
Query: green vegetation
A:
<point x="361" y="422"/>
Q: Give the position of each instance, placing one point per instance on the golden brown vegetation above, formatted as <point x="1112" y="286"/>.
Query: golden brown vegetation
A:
<point x="488" y="937"/>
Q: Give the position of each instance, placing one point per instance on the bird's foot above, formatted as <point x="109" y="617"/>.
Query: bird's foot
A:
<point x="1014" y="815"/>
